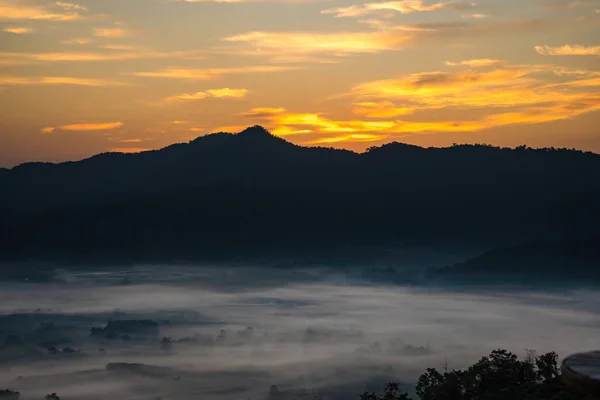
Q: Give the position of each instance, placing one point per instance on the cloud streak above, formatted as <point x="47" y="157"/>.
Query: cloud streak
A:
<point x="98" y="56"/>
<point x="11" y="10"/>
<point x="112" y="32"/>
<point x="102" y="126"/>
<point x="224" y="93"/>
<point x="57" y="80"/>
<point x="18" y="30"/>
<point x="210" y="73"/>
<point x="568" y="50"/>
<point x="399" y="6"/>
<point x="128" y="150"/>
<point x="475" y="63"/>
<point x="280" y="44"/>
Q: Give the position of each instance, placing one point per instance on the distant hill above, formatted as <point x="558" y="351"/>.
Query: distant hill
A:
<point x="551" y="261"/>
<point x="248" y="193"/>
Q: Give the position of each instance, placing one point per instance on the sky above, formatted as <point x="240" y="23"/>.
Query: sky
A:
<point x="85" y="77"/>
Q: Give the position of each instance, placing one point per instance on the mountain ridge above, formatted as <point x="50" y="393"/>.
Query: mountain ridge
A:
<point x="258" y="191"/>
<point x="250" y="132"/>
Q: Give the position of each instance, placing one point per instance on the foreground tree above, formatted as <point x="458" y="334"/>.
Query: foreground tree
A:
<point x="499" y="376"/>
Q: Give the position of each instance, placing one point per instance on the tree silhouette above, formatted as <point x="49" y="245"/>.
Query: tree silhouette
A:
<point x="498" y="376"/>
<point x="166" y="343"/>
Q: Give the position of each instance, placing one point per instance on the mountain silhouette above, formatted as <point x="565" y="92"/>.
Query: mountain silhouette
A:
<point x="252" y="192"/>
<point x="547" y="261"/>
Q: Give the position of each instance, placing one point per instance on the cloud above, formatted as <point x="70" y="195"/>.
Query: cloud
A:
<point x="187" y="97"/>
<point x="383" y="109"/>
<point x="507" y="95"/>
<point x="400" y="6"/>
<point x="476" y="16"/>
<point x="75" y="41"/>
<point x="18" y="30"/>
<point x="475" y="63"/>
<point x="284" y="123"/>
<point x="263" y="112"/>
<point x="103" y="126"/>
<point x="353" y="137"/>
<point x="130" y="140"/>
<point x="510" y="88"/>
<point x="227" y="93"/>
<point x="568" y="50"/>
<point x="336" y="44"/>
<point x="209" y="73"/>
<point x="57" y="80"/>
<point x="571" y="4"/>
<point x="119" y="47"/>
<point x="112" y="32"/>
<point x="11" y="10"/>
<point x="98" y="56"/>
<point x="563" y="71"/>
<point x="71" y="6"/>
<point x="128" y="149"/>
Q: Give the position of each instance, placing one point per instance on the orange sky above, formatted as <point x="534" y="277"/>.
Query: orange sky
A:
<point x="79" y="78"/>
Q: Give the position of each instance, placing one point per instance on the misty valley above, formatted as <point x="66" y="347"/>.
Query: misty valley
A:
<point x="266" y="332"/>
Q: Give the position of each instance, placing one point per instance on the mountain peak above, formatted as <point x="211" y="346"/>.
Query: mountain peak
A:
<point x="256" y="131"/>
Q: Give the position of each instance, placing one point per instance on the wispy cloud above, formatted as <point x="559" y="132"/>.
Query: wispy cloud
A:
<point x="118" y="47"/>
<point x="18" y="10"/>
<point x="337" y="43"/>
<point x="227" y="93"/>
<point x="400" y="6"/>
<point x="186" y="97"/>
<point x="69" y="42"/>
<point x="568" y="50"/>
<point x="224" y="93"/>
<point x="563" y="71"/>
<point x="102" y="126"/>
<point x="481" y="62"/>
<point x="353" y="137"/>
<point x="71" y="6"/>
<point x="210" y="73"/>
<point x="130" y="141"/>
<point x="112" y="32"/>
<point x="128" y="149"/>
<point x="57" y="80"/>
<point x="18" y="30"/>
<point x="476" y="16"/>
<point x="99" y="56"/>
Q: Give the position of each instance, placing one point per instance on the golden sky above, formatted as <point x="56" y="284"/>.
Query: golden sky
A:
<point x="79" y="78"/>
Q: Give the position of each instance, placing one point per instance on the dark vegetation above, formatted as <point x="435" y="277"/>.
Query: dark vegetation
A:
<point x="226" y="195"/>
<point x="499" y="376"/>
<point x="542" y="262"/>
<point x="9" y="395"/>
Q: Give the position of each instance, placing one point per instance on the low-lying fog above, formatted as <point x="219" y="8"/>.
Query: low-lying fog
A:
<point x="235" y="333"/>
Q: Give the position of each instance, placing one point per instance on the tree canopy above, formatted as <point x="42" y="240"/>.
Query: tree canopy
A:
<point x="498" y="376"/>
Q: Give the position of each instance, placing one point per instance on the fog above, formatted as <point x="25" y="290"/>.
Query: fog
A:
<point x="315" y="332"/>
